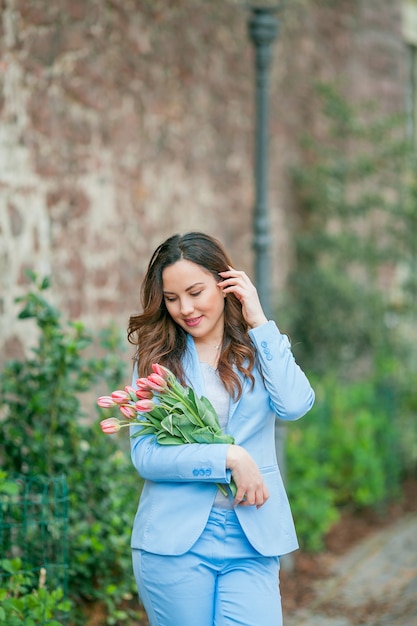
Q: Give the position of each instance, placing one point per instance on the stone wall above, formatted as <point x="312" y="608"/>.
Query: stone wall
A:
<point x="124" y="121"/>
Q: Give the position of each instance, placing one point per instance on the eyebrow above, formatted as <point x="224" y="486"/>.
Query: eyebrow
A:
<point x="190" y="288"/>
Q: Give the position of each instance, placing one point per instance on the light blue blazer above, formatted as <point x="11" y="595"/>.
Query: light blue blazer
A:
<point x="180" y="481"/>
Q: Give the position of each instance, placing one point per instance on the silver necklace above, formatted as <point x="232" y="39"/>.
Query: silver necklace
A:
<point x="216" y="347"/>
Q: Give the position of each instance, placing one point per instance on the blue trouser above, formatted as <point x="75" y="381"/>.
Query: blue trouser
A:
<point x="221" y="581"/>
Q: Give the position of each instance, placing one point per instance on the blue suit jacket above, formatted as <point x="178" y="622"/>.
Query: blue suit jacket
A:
<point x="180" y="481"/>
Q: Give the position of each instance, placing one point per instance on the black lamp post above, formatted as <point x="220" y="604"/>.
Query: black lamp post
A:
<point x="263" y="30"/>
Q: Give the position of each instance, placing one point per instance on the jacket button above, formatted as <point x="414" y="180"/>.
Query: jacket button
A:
<point x="269" y="357"/>
<point x="263" y="344"/>
<point x="208" y="472"/>
<point x="195" y="472"/>
<point x="201" y="472"/>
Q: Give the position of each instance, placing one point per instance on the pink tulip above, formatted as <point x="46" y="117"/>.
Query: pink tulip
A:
<point x="105" y="402"/>
<point x="131" y="391"/>
<point x="120" y="396"/>
<point x="110" y="426"/>
<point x="143" y="394"/>
<point x="143" y="406"/>
<point x="157" y="383"/>
<point x="142" y="383"/>
<point x="128" y="410"/>
<point x="161" y="370"/>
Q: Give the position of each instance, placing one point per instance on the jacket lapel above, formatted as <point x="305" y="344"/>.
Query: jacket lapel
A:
<point x="192" y="368"/>
<point x="235" y="403"/>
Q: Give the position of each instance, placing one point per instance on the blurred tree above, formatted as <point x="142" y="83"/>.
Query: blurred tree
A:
<point x="354" y="250"/>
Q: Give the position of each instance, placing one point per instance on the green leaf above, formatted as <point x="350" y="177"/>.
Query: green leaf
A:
<point x="165" y="439"/>
<point x="157" y="414"/>
<point x="167" y="424"/>
<point x="153" y="419"/>
<point x="31" y="275"/>
<point x="205" y="435"/>
<point x="185" y="433"/>
<point x="146" y="430"/>
<point x="207" y="412"/>
<point x="45" y="284"/>
<point x="192" y="400"/>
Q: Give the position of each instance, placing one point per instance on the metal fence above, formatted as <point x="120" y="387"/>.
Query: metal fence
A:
<point x="33" y="551"/>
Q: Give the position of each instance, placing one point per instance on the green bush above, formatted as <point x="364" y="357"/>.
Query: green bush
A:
<point x="313" y="502"/>
<point x="26" y="601"/>
<point x="355" y="217"/>
<point x="47" y="431"/>
<point x="346" y="453"/>
<point x="33" y="546"/>
<point x="350" y="310"/>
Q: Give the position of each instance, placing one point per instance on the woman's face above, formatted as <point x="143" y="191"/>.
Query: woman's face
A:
<point x="194" y="300"/>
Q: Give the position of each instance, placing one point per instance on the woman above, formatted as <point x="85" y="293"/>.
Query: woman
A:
<point x="201" y="558"/>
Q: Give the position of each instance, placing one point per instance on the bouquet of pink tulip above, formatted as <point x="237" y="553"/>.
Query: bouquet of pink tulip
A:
<point x="166" y="409"/>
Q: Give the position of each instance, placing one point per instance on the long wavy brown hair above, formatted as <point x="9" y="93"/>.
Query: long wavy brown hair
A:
<point x="158" y="339"/>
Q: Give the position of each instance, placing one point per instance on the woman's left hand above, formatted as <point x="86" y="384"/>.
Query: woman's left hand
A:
<point x="238" y="283"/>
<point x="251" y="487"/>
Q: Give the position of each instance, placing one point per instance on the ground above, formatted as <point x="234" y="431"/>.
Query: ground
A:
<point x="298" y="587"/>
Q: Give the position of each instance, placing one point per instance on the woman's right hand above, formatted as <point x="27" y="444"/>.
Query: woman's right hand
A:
<point x="251" y="488"/>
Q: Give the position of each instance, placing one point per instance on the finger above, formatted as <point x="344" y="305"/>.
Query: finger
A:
<point x="249" y="499"/>
<point x="235" y="285"/>
<point x="239" y="497"/>
<point x="257" y="497"/>
<point x="265" y="497"/>
<point x="232" y="273"/>
<point x="231" y="269"/>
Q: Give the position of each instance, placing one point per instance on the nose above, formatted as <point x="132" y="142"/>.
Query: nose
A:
<point x="187" y="307"/>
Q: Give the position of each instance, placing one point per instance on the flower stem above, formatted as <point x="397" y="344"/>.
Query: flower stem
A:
<point x="222" y="489"/>
<point x="178" y="392"/>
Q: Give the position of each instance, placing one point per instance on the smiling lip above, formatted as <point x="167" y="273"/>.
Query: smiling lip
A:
<point x="193" y="321"/>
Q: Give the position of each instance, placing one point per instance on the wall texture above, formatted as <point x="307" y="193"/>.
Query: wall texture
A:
<point x="124" y="121"/>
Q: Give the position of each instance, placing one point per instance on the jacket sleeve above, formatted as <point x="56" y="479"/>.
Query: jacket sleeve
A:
<point x="178" y="463"/>
<point x="291" y="395"/>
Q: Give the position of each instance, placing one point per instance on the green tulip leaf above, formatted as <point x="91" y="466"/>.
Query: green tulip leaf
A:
<point x="205" y="435"/>
<point x="165" y="439"/>
<point x="207" y="412"/>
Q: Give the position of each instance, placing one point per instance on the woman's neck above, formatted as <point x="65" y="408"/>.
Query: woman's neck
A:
<point x="208" y="352"/>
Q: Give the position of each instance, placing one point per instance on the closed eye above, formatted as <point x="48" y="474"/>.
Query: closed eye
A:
<point x="172" y="298"/>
